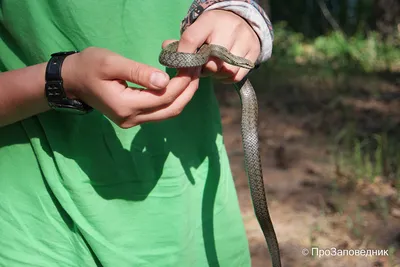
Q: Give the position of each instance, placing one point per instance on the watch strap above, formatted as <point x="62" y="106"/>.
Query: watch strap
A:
<point x="54" y="88"/>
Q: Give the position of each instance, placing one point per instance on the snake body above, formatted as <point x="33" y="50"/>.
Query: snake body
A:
<point x="249" y="129"/>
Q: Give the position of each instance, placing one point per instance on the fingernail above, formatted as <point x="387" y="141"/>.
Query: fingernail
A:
<point x="158" y="79"/>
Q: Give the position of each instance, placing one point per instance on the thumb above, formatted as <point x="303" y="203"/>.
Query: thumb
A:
<point x="138" y="73"/>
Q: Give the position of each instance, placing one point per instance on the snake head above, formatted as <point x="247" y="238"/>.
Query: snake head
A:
<point x="246" y="65"/>
<point x="242" y="63"/>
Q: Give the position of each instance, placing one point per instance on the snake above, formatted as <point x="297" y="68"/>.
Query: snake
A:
<point x="170" y="57"/>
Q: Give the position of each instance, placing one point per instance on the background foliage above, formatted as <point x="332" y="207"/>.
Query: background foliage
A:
<point x="323" y="44"/>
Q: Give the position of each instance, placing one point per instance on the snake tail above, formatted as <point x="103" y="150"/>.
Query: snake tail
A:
<point x="249" y="126"/>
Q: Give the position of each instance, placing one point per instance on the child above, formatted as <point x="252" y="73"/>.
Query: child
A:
<point x="141" y="177"/>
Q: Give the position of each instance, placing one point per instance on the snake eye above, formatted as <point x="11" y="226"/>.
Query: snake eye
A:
<point x="248" y="65"/>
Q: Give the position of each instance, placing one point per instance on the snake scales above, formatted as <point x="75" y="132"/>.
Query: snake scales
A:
<point x="249" y="128"/>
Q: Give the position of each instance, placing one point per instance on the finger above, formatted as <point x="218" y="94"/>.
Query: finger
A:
<point x="125" y="106"/>
<point x="172" y="110"/>
<point x="152" y="99"/>
<point x="211" y="67"/>
<point x="118" y="67"/>
<point x="214" y="65"/>
<point x="227" y="71"/>
<point x="252" y="56"/>
<point x="109" y="101"/>
<point x="194" y="36"/>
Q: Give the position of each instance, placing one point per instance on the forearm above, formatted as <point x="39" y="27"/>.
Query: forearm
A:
<point x="22" y="94"/>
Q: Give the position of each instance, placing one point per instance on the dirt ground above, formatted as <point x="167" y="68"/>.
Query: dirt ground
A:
<point x="306" y="208"/>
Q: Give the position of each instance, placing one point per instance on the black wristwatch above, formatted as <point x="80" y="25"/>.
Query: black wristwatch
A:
<point x="54" y="88"/>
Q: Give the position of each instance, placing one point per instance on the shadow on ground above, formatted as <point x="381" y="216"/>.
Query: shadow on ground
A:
<point x="307" y="116"/>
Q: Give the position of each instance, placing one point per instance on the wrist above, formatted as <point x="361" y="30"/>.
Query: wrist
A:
<point x="61" y="84"/>
<point x="70" y="79"/>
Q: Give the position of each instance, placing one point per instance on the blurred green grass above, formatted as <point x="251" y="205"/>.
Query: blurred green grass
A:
<point x="335" y="52"/>
<point x="347" y="88"/>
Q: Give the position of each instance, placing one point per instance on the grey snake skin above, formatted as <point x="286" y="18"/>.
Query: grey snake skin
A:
<point x="249" y="128"/>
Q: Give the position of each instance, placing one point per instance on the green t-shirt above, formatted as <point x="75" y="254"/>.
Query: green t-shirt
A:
<point x="79" y="190"/>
